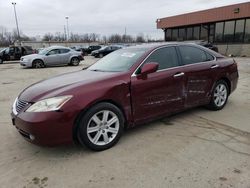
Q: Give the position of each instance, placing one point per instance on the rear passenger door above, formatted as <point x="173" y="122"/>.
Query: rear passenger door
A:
<point x="200" y="74"/>
<point x="65" y="56"/>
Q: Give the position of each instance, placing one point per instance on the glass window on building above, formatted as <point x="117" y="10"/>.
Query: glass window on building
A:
<point x="211" y="33"/>
<point x="190" y="33"/>
<point x="196" y="35"/>
<point x="247" y="31"/>
<point x="168" y="35"/>
<point x="219" y="32"/>
<point x="229" y="31"/>
<point x="204" y="32"/>
<point x="239" y="31"/>
<point x="182" y="34"/>
<point x="174" y="34"/>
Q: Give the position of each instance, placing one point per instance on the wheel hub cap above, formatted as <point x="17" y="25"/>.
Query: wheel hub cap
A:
<point x="103" y="127"/>
<point x="220" y="95"/>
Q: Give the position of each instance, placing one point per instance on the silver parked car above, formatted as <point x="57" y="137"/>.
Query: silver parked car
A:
<point x="52" y="56"/>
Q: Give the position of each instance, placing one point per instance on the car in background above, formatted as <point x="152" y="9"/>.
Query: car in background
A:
<point x="1" y="51"/>
<point x="52" y="56"/>
<point x="13" y="53"/>
<point x="126" y="88"/>
<point x="205" y="44"/>
<point x="91" y="48"/>
<point x="38" y="50"/>
<point x="105" y="50"/>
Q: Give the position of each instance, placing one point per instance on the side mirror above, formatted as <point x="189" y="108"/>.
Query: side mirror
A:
<point x="148" y="68"/>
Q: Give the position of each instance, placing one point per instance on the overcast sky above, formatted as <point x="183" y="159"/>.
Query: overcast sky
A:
<point x="98" y="16"/>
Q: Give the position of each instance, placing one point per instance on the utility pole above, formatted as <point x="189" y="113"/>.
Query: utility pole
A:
<point x="18" y="33"/>
<point x="65" y="33"/>
<point x="67" y="20"/>
<point x="125" y="35"/>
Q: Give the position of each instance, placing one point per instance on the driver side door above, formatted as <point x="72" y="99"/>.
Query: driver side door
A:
<point x="53" y="57"/>
<point x="161" y="92"/>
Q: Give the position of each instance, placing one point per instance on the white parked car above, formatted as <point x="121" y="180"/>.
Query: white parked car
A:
<point x="52" y="56"/>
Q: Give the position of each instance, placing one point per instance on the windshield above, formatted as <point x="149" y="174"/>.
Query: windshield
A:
<point x="1" y="50"/>
<point x="43" y="52"/>
<point x="118" y="61"/>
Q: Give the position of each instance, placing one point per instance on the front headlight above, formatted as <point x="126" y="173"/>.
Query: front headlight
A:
<point x="51" y="104"/>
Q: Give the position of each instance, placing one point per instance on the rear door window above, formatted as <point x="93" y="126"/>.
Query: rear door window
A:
<point x="64" y="51"/>
<point x="192" y="55"/>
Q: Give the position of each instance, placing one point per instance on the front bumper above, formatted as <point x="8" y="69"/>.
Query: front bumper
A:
<point x="25" y="63"/>
<point x="45" y="128"/>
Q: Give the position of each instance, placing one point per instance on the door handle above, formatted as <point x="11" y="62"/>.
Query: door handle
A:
<point x="214" y="66"/>
<point x="179" y="74"/>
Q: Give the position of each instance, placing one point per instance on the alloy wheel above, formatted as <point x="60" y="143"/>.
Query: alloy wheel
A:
<point x="103" y="127"/>
<point x="220" y="95"/>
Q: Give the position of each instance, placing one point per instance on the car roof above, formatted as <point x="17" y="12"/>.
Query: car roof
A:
<point x="153" y="46"/>
<point x="56" y="47"/>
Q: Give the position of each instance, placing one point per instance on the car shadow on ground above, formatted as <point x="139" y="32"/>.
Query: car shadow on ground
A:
<point x="62" y="152"/>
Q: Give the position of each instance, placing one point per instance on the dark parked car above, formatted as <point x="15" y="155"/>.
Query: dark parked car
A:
<point x="91" y="49"/>
<point x="105" y="50"/>
<point x="205" y="44"/>
<point x="128" y="87"/>
<point x="14" y="53"/>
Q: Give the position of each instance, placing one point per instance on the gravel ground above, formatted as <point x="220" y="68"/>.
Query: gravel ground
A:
<point x="197" y="148"/>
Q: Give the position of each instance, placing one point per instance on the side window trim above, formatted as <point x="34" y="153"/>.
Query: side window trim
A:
<point x="142" y="63"/>
<point x="174" y="47"/>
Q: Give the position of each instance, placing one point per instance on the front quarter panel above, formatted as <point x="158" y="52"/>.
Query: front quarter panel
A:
<point x="112" y="90"/>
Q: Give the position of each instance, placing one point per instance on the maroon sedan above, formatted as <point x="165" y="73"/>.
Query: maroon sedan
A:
<point x="126" y="88"/>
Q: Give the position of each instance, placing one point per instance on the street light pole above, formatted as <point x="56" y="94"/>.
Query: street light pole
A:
<point x="67" y="19"/>
<point x="18" y="33"/>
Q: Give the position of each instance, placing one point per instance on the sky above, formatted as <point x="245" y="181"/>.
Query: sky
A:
<point x="35" y="18"/>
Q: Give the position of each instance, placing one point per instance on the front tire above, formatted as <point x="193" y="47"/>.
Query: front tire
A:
<point x="219" y="96"/>
<point x="38" y="64"/>
<point x="101" y="127"/>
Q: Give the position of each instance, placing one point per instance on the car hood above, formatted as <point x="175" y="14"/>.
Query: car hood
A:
<point x="62" y="84"/>
<point x="32" y="56"/>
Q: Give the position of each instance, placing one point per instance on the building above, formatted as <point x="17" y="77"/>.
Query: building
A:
<point x="227" y="27"/>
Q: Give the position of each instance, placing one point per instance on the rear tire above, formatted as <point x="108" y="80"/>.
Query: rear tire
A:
<point x="75" y="61"/>
<point x="219" y="96"/>
<point x="38" y="64"/>
<point x="100" y="127"/>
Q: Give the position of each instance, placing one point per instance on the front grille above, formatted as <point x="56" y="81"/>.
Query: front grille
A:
<point x="20" y="104"/>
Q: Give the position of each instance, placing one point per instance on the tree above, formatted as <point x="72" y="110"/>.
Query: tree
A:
<point x="48" y="37"/>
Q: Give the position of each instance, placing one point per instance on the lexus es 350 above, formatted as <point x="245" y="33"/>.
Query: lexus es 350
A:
<point x="128" y="87"/>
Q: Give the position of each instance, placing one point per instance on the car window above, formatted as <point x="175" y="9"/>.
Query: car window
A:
<point x="64" y="51"/>
<point x="209" y="57"/>
<point x="17" y="50"/>
<point x="191" y="55"/>
<point x="119" y="60"/>
<point x="53" y="52"/>
<point x="166" y="57"/>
